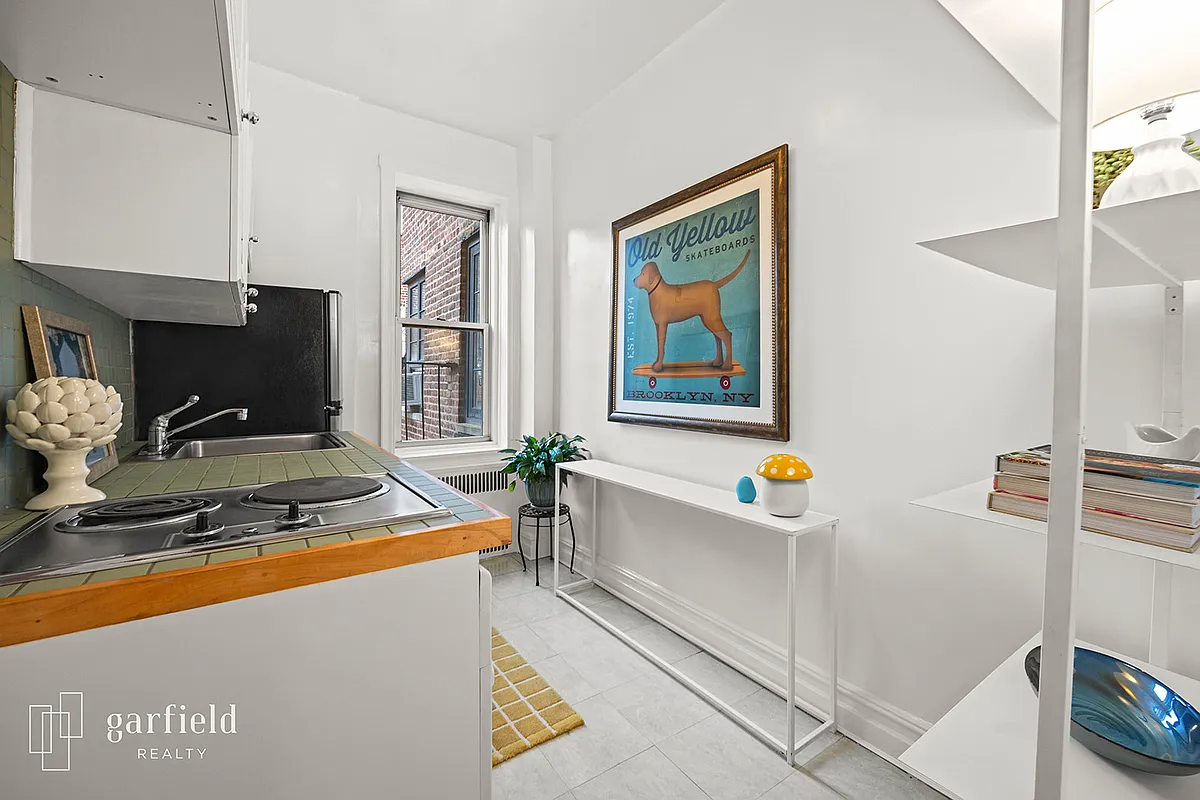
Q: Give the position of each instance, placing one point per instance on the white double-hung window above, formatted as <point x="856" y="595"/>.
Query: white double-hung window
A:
<point x="443" y="392"/>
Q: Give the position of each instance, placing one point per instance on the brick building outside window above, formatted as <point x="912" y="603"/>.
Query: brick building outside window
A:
<point x="441" y="382"/>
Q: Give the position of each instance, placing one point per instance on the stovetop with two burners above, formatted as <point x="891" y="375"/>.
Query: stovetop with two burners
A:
<point x="112" y="533"/>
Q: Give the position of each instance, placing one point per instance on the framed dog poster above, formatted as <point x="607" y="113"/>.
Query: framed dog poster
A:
<point x="700" y="306"/>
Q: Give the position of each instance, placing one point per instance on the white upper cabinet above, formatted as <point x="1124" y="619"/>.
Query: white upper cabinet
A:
<point x="242" y="206"/>
<point x="133" y="188"/>
<point x="161" y="57"/>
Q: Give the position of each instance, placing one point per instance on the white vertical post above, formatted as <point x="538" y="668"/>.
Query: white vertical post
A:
<point x="389" y="216"/>
<point x="1160" y="615"/>
<point x="1172" y="389"/>
<point x="1070" y="372"/>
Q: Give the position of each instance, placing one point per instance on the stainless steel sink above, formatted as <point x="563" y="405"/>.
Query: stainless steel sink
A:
<point x="247" y="446"/>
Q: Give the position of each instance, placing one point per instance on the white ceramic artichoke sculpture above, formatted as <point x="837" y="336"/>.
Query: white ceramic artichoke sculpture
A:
<point x="64" y="419"/>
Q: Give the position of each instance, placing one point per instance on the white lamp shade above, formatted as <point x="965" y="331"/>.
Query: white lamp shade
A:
<point x="1129" y="129"/>
<point x="1145" y="50"/>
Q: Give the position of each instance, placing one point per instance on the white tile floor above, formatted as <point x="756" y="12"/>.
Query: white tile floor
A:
<point x="645" y="736"/>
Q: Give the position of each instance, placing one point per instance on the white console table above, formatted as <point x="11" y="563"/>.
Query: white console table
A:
<point x="723" y="503"/>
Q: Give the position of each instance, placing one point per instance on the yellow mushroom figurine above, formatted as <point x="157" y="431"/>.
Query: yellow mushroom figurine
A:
<point x="785" y="484"/>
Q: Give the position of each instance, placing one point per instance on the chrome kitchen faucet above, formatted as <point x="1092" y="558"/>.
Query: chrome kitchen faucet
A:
<point x="157" y="434"/>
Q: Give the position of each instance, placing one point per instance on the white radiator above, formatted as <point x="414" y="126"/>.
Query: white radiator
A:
<point x="489" y="486"/>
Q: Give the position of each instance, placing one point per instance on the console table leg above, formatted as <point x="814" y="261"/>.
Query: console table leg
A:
<point x="595" y="530"/>
<point x="833" y="626"/>
<point x="557" y="519"/>
<point x="791" y="651"/>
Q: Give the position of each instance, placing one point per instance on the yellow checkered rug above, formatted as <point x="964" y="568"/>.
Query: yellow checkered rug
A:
<point x="526" y="711"/>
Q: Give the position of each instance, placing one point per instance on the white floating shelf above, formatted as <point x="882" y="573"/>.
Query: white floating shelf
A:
<point x="971" y="501"/>
<point x="985" y="747"/>
<point x="1129" y="240"/>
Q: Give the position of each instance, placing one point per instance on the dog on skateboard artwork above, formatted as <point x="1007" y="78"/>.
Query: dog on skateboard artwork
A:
<point x="693" y="306"/>
<point x="699" y="288"/>
<point x="701" y="299"/>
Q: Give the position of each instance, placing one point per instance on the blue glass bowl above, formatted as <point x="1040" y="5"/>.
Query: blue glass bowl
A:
<point x="1127" y="716"/>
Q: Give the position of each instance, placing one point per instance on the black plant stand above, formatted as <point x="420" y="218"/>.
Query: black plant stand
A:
<point x="537" y="514"/>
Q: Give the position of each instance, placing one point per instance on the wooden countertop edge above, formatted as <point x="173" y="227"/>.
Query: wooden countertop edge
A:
<point x="27" y="618"/>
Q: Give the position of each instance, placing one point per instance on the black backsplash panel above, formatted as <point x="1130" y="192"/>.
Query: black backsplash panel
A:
<point x="274" y="366"/>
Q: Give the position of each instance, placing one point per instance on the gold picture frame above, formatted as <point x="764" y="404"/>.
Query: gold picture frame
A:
<point x="61" y="346"/>
<point x="691" y="301"/>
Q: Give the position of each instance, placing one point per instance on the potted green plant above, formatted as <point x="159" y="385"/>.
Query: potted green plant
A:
<point x="534" y="464"/>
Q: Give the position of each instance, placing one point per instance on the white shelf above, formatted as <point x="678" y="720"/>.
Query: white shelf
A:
<point x="1163" y="230"/>
<point x="985" y="747"/>
<point x="971" y="501"/>
<point x="717" y="501"/>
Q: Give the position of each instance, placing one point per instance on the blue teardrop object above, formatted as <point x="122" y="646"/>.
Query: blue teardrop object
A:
<point x="745" y="489"/>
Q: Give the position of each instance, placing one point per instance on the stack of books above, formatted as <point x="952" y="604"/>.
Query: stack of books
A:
<point x="1151" y="500"/>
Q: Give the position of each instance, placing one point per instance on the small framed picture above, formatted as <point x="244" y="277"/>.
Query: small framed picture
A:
<point x="62" y="348"/>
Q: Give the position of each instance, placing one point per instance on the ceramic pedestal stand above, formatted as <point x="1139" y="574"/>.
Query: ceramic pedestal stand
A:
<point x="64" y="419"/>
<point x="66" y="472"/>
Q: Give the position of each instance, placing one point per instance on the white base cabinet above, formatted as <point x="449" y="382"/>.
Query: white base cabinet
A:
<point x="367" y="687"/>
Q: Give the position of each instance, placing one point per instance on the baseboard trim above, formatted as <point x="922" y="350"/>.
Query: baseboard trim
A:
<point x="862" y="715"/>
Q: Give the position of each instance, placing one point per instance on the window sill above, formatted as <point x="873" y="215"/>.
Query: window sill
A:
<point x="452" y="456"/>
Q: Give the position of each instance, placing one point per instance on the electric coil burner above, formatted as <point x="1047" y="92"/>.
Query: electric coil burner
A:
<point x="115" y="533"/>
<point x="317" y="492"/>
<point x="137" y="512"/>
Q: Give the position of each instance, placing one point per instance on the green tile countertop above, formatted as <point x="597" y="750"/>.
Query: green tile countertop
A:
<point x="138" y="479"/>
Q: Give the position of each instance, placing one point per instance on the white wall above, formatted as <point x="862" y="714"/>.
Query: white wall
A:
<point x="909" y="370"/>
<point x="316" y="204"/>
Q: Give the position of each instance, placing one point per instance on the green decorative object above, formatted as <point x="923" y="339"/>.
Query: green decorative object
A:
<point x="534" y="464"/>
